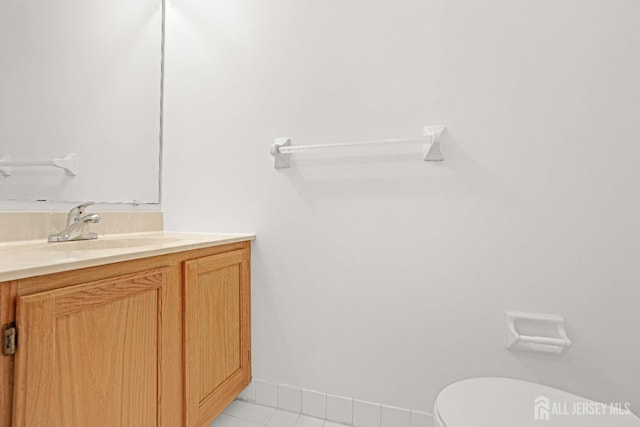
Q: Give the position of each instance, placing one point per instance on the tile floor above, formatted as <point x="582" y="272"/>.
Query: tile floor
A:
<point x="247" y="414"/>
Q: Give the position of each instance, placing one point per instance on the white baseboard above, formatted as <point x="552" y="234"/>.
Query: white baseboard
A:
<point x="339" y="409"/>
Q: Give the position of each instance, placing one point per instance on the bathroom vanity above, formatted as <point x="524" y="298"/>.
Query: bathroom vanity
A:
<point x="149" y="329"/>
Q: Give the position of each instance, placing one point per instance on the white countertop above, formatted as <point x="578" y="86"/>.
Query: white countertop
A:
<point x="23" y="259"/>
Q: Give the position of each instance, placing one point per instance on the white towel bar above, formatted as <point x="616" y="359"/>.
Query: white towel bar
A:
<point x="282" y="149"/>
<point x="67" y="163"/>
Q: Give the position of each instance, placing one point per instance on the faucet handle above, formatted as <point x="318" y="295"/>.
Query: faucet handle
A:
<point x="77" y="212"/>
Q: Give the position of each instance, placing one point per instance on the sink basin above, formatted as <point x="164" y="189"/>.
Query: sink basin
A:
<point x="105" y="244"/>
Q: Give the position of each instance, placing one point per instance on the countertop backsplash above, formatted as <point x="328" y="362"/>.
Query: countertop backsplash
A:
<point x="16" y="226"/>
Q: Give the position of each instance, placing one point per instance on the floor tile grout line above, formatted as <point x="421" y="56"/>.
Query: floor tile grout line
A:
<point x="244" y="415"/>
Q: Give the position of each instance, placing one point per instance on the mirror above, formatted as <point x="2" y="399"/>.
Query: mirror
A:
<point x="81" y="77"/>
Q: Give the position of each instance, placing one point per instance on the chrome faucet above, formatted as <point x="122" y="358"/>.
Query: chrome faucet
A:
<point x="77" y="225"/>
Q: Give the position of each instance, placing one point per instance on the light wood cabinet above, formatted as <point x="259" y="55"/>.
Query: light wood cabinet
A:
<point x="90" y="354"/>
<point x="217" y="346"/>
<point x="161" y="341"/>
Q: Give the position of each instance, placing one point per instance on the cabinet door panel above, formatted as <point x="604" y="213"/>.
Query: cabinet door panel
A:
<point x="219" y="292"/>
<point x="89" y="355"/>
<point x="217" y="333"/>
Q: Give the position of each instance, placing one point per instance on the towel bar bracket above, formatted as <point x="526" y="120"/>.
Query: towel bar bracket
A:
<point x="282" y="160"/>
<point x="431" y="151"/>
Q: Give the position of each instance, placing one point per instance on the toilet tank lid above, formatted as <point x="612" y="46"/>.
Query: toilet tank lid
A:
<point x="497" y="402"/>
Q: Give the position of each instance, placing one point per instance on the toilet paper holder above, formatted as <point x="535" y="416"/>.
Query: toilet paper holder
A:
<point x="547" y="324"/>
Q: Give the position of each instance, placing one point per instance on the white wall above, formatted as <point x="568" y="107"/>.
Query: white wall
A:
<point x="384" y="277"/>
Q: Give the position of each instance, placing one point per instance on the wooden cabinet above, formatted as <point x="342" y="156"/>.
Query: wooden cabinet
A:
<point x="90" y="354"/>
<point x="217" y="346"/>
<point x="161" y="341"/>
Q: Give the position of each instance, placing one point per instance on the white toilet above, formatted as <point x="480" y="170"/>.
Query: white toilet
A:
<point x="504" y="402"/>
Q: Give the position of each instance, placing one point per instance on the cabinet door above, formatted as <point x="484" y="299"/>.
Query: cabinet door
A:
<point x="217" y="333"/>
<point x="90" y="354"/>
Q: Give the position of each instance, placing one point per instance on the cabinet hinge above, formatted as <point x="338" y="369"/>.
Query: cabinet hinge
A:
<point x="9" y="339"/>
